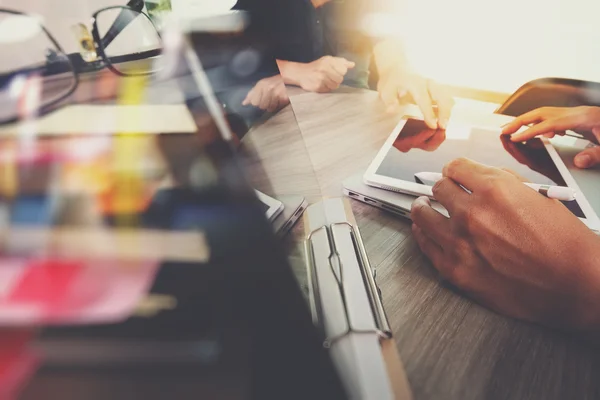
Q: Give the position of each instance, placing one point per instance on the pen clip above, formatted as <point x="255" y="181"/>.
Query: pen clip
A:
<point x="368" y="276"/>
<point x="335" y="262"/>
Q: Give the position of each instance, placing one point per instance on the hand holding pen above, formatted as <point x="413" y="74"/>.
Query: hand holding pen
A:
<point x="509" y="248"/>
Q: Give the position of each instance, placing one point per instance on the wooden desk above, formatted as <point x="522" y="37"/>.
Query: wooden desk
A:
<point x="451" y="347"/>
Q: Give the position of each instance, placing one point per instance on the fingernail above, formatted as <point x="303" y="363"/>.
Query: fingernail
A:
<point x="443" y="123"/>
<point x="583" y="161"/>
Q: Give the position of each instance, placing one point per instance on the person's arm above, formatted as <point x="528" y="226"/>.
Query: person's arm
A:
<point x="512" y="249"/>
<point x="322" y="75"/>
<point x="550" y="121"/>
<point x="290" y="71"/>
<point x="397" y="81"/>
<point x="390" y="55"/>
<point x="269" y="94"/>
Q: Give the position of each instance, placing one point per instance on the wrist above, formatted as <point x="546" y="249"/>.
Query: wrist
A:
<point x="291" y="72"/>
<point x="389" y="58"/>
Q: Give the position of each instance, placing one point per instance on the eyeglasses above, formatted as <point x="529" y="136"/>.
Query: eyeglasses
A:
<point x="36" y="74"/>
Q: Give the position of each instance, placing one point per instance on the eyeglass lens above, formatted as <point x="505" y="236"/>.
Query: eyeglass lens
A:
<point x="136" y="46"/>
<point x="34" y="72"/>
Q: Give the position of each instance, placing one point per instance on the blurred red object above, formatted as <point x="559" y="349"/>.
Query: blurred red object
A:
<point x="18" y="363"/>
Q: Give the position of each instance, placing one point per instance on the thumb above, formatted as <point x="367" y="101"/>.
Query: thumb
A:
<point x="588" y="158"/>
<point x="345" y="62"/>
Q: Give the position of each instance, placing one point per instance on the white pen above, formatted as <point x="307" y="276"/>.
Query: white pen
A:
<point x="562" y="193"/>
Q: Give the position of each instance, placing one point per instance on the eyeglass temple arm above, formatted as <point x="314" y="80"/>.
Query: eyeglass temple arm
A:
<point x="44" y="69"/>
<point x="122" y="20"/>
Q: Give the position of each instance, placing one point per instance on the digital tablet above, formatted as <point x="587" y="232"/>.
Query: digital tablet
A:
<point x="413" y="147"/>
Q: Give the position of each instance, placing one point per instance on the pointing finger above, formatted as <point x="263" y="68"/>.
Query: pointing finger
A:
<point x="421" y="96"/>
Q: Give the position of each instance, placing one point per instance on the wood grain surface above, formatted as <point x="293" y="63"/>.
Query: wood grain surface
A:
<point x="451" y="347"/>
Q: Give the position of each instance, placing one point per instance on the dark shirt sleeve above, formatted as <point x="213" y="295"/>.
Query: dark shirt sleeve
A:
<point x="283" y="24"/>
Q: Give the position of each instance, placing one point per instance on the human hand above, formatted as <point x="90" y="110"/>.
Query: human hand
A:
<point x="550" y="121"/>
<point x="268" y="94"/>
<point x="425" y="139"/>
<point x="511" y="248"/>
<point x="396" y="87"/>
<point x="322" y="75"/>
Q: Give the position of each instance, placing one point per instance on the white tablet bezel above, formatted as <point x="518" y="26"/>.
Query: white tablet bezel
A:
<point x="591" y="218"/>
<point x="371" y="178"/>
<point x="275" y="206"/>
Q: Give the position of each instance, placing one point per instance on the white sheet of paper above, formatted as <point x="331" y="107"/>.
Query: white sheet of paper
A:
<point x="110" y="119"/>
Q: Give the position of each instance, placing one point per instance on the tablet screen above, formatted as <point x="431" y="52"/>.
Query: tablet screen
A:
<point x="418" y="148"/>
